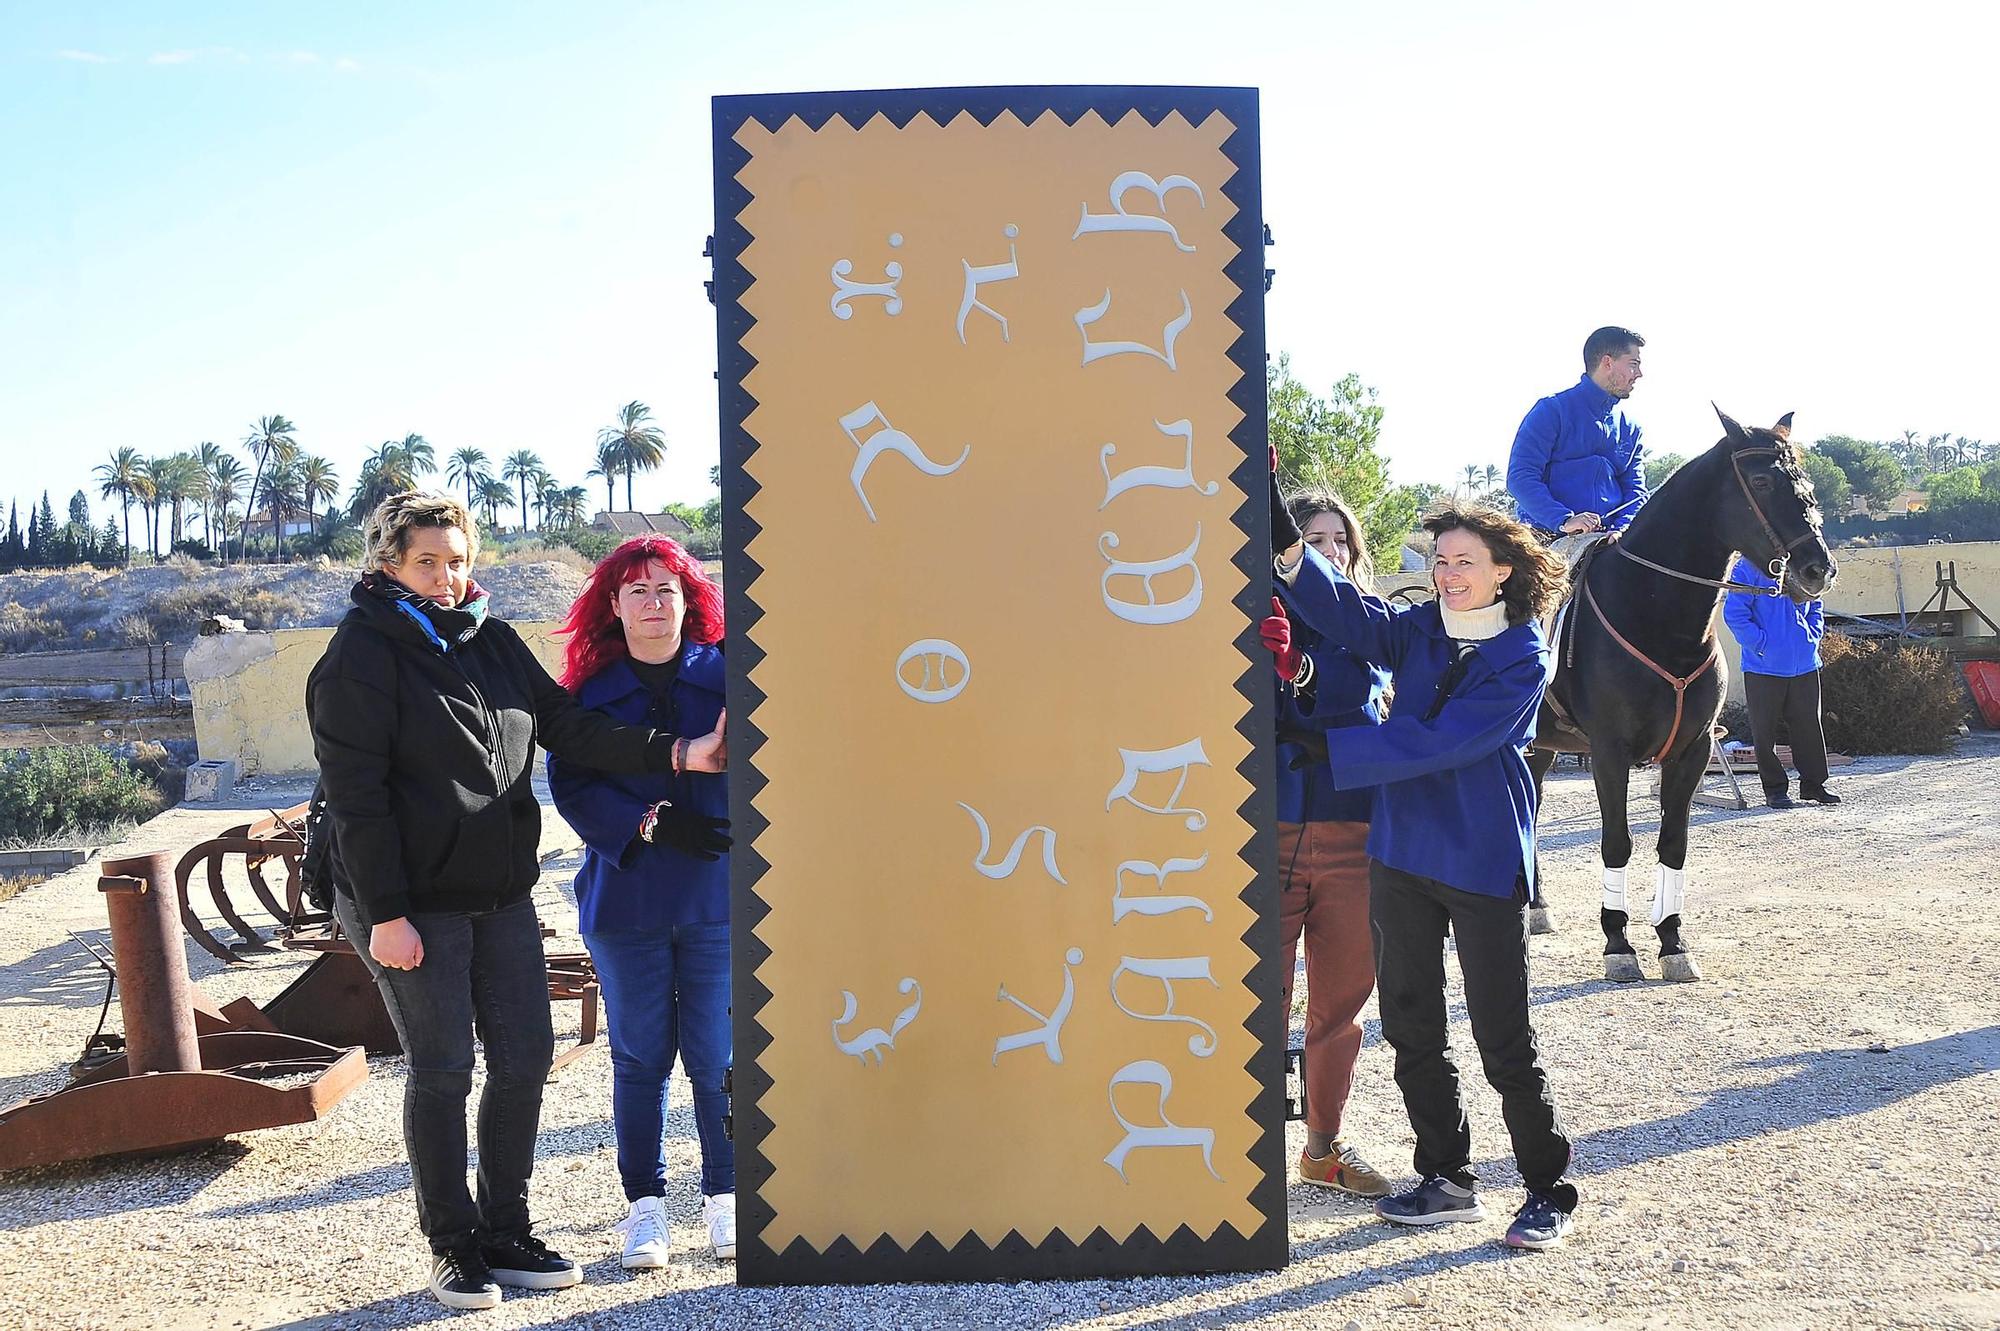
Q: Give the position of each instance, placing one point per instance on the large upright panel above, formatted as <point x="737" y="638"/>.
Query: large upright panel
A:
<point x="1004" y="892"/>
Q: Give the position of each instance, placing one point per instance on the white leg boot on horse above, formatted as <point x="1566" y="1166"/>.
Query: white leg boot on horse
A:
<point x="1621" y="963"/>
<point x="1669" y="894"/>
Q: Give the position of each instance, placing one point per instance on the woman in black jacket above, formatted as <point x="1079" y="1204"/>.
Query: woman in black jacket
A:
<point x="425" y="713"/>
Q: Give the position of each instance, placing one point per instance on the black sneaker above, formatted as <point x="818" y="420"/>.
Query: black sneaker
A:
<point x="1540" y="1223"/>
<point x="522" y="1261"/>
<point x="1820" y="796"/>
<point x="460" y="1279"/>
<point x="1435" y="1201"/>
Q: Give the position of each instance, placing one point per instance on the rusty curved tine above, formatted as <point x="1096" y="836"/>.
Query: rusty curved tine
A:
<point x="253" y="868"/>
<point x="252" y="940"/>
<point x="189" y="920"/>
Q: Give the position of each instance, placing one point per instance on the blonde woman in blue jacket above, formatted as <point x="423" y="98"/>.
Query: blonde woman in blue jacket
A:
<point x="1451" y="842"/>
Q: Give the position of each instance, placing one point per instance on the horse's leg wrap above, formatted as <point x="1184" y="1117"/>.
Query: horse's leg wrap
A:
<point x="1614" y="889"/>
<point x="1669" y="892"/>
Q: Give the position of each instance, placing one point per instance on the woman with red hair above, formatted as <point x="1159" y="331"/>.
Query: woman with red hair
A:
<point x="644" y="644"/>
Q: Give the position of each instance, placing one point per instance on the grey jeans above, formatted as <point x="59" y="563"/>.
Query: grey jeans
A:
<point x="483" y="971"/>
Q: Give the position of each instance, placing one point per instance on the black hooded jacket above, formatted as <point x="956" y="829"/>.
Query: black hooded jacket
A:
<point x="425" y="722"/>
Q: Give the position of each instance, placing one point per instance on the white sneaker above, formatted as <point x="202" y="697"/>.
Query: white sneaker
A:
<point x="645" y="1231"/>
<point x="719" y="1214"/>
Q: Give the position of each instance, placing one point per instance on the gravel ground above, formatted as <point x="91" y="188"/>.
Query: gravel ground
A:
<point x="1805" y="1139"/>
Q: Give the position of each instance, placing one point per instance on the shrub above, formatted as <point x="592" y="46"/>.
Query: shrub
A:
<point x="176" y="615"/>
<point x="1735" y="719"/>
<point x="592" y="544"/>
<point x="1889" y="696"/>
<point x="55" y="791"/>
<point x="704" y="542"/>
<point x="23" y="630"/>
<point x="187" y="555"/>
<point x="132" y="630"/>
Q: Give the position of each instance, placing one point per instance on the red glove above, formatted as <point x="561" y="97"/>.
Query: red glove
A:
<point x="1277" y="634"/>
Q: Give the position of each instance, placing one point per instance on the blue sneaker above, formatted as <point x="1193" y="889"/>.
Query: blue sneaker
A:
<point x="1540" y="1223"/>
<point x="1435" y="1201"/>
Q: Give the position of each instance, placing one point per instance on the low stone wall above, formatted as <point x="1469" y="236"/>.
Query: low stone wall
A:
<point x="250" y="689"/>
<point x="50" y="862"/>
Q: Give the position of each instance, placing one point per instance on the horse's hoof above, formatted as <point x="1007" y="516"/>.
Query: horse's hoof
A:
<point x="1622" y="967"/>
<point x="1540" y="921"/>
<point x="1679" y="967"/>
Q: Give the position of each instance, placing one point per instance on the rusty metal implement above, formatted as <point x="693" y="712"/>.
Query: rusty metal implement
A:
<point x="172" y="1086"/>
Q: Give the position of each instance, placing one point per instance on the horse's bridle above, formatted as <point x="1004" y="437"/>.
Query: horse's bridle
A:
<point x="1779" y="564"/>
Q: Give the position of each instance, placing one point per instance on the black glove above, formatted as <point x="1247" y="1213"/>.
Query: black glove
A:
<point x="691" y="833"/>
<point x="1284" y="531"/>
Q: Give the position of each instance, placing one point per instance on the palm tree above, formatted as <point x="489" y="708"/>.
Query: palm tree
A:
<point x="1471" y="479"/>
<point x="422" y="457"/>
<point x="546" y="494"/>
<point x="162" y="483"/>
<point x="206" y="456"/>
<point x="468" y="467"/>
<point x="610" y="456"/>
<point x="225" y="487"/>
<point x="390" y="469"/>
<point x="570" y="507"/>
<point x="318" y="484"/>
<point x="184" y="481"/>
<point x="122" y="476"/>
<point x="270" y="439"/>
<point x="283" y="492"/>
<point x="495" y="495"/>
<point x="520" y="466"/>
<point x="641" y="446"/>
<point x="1491" y="478"/>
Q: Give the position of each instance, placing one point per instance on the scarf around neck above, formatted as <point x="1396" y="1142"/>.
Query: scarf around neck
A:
<point x="445" y="626"/>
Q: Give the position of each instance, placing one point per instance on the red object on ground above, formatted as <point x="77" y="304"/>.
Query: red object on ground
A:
<point x="1984" y="677"/>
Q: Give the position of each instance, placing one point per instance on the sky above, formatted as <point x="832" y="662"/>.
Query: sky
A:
<point x="483" y="223"/>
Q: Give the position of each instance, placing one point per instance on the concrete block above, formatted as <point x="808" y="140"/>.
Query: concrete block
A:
<point x="210" y="780"/>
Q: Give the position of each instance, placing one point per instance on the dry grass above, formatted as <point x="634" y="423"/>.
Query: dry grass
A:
<point x="536" y="553"/>
<point x="22" y="629"/>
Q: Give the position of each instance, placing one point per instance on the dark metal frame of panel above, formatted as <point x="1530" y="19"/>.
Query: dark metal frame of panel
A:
<point x="1014" y="1257"/>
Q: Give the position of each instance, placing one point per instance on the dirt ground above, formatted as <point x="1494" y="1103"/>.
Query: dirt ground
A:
<point x="1806" y="1138"/>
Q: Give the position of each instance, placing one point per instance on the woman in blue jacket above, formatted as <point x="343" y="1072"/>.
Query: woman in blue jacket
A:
<point x="1780" y="641"/>
<point x="1322" y="846"/>
<point x="1451" y="842"/>
<point x="644" y="643"/>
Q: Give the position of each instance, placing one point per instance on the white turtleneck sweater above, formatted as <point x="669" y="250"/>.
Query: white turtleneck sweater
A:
<point x="1475" y="625"/>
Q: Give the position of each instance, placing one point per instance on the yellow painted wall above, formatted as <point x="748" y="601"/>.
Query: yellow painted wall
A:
<point x="249" y="694"/>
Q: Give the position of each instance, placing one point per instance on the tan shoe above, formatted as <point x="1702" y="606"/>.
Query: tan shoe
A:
<point x="1343" y="1168"/>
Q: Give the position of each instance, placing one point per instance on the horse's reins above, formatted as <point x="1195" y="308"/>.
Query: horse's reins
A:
<point x="1777" y="570"/>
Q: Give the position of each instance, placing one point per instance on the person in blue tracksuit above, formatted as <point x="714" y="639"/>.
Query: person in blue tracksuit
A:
<point x="1577" y="465"/>
<point x="1323" y="850"/>
<point x="644" y="643"/>
<point x="1780" y="641"/>
<point x="1451" y="843"/>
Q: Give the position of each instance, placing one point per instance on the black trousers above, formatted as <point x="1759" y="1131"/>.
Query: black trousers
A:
<point x="1408" y="916"/>
<point x="1791" y="701"/>
<point x="482" y="971"/>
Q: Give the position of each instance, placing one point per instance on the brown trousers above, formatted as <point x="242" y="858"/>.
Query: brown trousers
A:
<point x="1324" y="871"/>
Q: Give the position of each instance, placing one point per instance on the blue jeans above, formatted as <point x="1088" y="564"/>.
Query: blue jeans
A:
<point x="480" y="969"/>
<point x="665" y="992"/>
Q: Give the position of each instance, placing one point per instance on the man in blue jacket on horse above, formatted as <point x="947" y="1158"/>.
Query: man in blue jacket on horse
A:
<point x="1576" y="467"/>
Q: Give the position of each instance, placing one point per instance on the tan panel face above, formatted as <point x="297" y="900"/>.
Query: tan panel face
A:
<point x="996" y="541"/>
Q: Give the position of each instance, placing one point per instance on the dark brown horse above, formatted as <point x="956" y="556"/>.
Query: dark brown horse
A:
<point x="1639" y="678"/>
